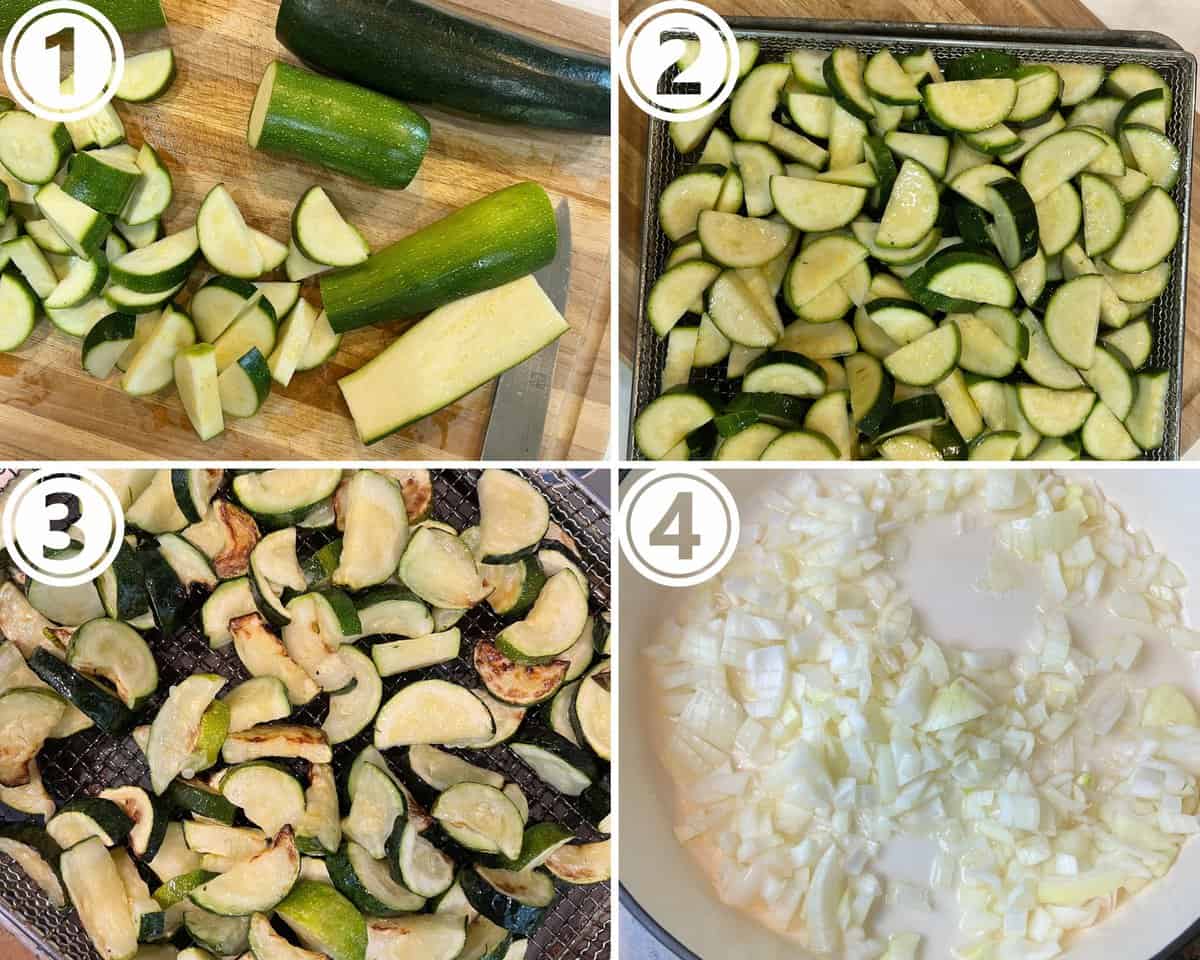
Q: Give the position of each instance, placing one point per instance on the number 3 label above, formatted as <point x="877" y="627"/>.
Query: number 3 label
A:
<point x="684" y="34"/>
<point x="678" y="529"/>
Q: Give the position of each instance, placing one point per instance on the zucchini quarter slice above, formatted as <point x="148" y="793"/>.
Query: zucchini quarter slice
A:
<point x="257" y="885"/>
<point x="375" y="521"/>
<point x="432" y="711"/>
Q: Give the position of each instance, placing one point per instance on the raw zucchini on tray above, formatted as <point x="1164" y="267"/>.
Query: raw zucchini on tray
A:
<point x="879" y="256"/>
<point x="336" y="777"/>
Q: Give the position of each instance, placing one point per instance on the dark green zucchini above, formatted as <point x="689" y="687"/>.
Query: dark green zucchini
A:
<point x="169" y="599"/>
<point x="417" y="52"/>
<point x="514" y="901"/>
<point x="105" y="708"/>
<point x="487" y="244"/>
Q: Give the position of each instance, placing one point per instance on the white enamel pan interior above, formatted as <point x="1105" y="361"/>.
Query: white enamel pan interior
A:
<point x="669" y="888"/>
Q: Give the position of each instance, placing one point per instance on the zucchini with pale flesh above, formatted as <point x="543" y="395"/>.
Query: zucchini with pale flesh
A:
<point x="269" y="796"/>
<point x="281" y="497"/>
<point x="432" y="711"/>
<point x="263" y="654"/>
<point x="283" y="740"/>
<point x="322" y="234"/>
<point x="98" y="893"/>
<point x="481" y="818"/>
<point x="517" y="683"/>
<point x="322" y="120"/>
<point x="486" y="245"/>
<point x="368" y="884"/>
<point x="416" y="653"/>
<point x="351" y="711"/>
<point x="89" y="817"/>
<point x="582" y="863"/>
<point x="115" y="652"/>
<point x="438" y="568"/>
<point x="257" y="885"/>
<point x="514" y="516"/>
<point x="314" y="634"/>
<point x="556" y="761"/>
<point x="448" y="346"/>
<point x="552" y="626"/>
<point x="375" y="524"/>
<point x="376" y="802"/>
<point x="319" y="831"/>
<point x="439" y="936"/>
<point x="176" y="727"/>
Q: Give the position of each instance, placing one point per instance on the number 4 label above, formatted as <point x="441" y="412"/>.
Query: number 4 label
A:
<point x="683" y="537"/>
<point x="678" y="529"/>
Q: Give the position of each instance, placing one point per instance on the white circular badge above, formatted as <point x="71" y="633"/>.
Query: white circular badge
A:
<point x="35" y="62"/>
<point x="657" y="40"/>
<point x="63" y="527"/>
<point x="679" y="529"/>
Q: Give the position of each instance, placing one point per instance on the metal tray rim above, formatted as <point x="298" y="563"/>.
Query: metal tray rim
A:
<point x="1123" y="42"/>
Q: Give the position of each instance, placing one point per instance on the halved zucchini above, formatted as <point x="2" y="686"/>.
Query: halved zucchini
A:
<point x="281" y="497"/>
<point x="591" y="715"/>
<point x="257" y="885"/>
<point x="395" y="611"/>
<point x="313" y="637"/>
<point x="439" y="568"/>
<point x="266" y="944"/>
<point x="376" y="802"/>
<point x="115" y="652"/>
<point x="99" y="897"/>
<point x="481" y="818"/>
<point x="319" y="831"/>
<point x="517" y="683"/>
<point x="438" y="936"/>
<point x="582" y="863"/>
<point x="89" y="817"/>
<point x="432" y="711"/>
<point x="368" y="883"/>
<point x="263" y="654"/>
<point x="416" y="653"/>
<point x="417" y="863"/>
<point x="556" y="761"/>
<point x="375" y="524"/>
<point x="257" y="700"/>
<point x="514" y="516"/>
<point x="552" y="626"/>
<point x="147" y="815"/>
<point x="269" y="796"/>
<point x="351" y="711"/>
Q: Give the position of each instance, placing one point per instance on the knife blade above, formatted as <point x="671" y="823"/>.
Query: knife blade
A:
<point x="523" y="393"/>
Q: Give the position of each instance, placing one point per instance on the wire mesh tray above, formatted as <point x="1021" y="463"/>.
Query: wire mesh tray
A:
<point x="577" y="928"/>
<point x="778" y="37"/>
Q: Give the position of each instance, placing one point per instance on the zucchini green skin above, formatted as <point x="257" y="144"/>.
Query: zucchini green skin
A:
<point x="128" y="16"/>
<point x="108" y="712"/>
<point x="493" y="241"/>
<point x="419" y="53"/>
<point x="168" y="597"/>
<point x="343" y="127"/>
<point x="504" y="911"/>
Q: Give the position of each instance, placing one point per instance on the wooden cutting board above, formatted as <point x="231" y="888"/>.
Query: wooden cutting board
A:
<point x="1040" y="13"/>
<point x="51" y="409"/>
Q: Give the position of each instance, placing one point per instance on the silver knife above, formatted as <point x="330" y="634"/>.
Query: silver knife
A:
<point x="523" y="393"/>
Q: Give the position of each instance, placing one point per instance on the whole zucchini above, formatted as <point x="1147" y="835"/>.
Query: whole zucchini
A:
<point x="419" y="53"/>
<point x="128" y="16"/>
<point x="337" y="125"/>
<point x="491" y="242"/>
